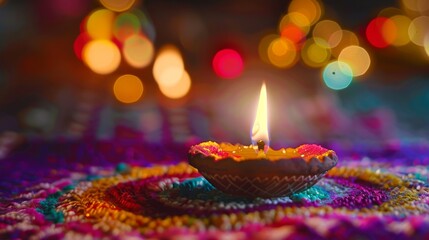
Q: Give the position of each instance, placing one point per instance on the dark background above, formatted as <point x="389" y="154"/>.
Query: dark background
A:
<point x="46" y="92"/>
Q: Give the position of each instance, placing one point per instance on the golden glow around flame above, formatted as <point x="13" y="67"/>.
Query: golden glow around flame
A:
<point x="260" y="126"/>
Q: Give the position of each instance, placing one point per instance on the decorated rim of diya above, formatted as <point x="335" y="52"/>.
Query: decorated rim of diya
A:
<point x="261" y="172"/>
<point x="225" y="158"/>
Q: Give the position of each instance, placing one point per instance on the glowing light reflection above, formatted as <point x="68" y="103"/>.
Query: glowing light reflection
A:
<point x="128" y="88"/>
<point x="426" y="45"/>
<point x="293" y="33"/>
<point x="282" y="53"/>
<point x="125" y="25"/>
<point x="402" y="24"/>
<point x="374" y="32"/>
<point x="228" y="64"/>
<point x="264" y="44"/>
<point x="411" y="4"/>
<point x="311" y="9"/>
<point x="80" y="43"/>
<point x="314" y="54"/>
<point x="118" y="5"/>
<point x="102" y="56"/>
<point x="418" y="29"/>
<point x="337" y="75"/>
<point x="179" y="89"/>
<point x="138" y="51"/>
<point x="357" y="58"/>
<point x="168" y="67"/>
<point x="99" y="24"/>
<point x="296" y="19"/>
<point x="347" y="38"/>
<point x="323" y="33"/>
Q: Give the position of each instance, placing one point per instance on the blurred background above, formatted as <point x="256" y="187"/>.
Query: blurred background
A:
<point x="185" y="71"/>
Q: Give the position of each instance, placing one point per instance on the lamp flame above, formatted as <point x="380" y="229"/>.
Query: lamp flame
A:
<point x="260" y="126"/>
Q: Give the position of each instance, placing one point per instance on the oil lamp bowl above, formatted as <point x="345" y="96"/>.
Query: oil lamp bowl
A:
<point x="240" y="170"/>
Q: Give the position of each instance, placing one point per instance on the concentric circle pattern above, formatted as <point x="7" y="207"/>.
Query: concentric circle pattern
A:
<point x="174" y="200"/>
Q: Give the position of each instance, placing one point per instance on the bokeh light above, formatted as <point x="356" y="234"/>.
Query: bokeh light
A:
<point x="145" y="23"/>
<point x="426" y="45"/>
<point x="389" y="31"/>
<point x="374" y="32"/>
<point x="418" y="29"/>
<point x="356" y="58"/>
<point x="138" y="51"/>
<point x="348" y="38"/>
<point x="102" y="56"/>
<point x="79" y="44"/>
<point x="118" y="5"/>
<point x="292" y="32"/>
<point x="282" y="53"/>
<point x="228" y="64"/>
<point x="168" y="67"/>
<point x="337" y="75"/>
<point x="99" y="24"/>
<point x="336" y="38"/>
<point x="125" y="25"/>
<point x="296" y="19"/>
<point x="179" y="89"/>
<point x="402" y="24"/>
<point x="423" y="6"/>
<point x="381" y="32"/>
<point x="323" y="33"/>
<point x="311" y="9"/>
<point x="264" y="44"/>
<point x="314" y="54"/>
<point x="390" y="12"/>
<point x="128" y="88"/>
<point x="420" y="6"/>
<point x="410" y="4"/>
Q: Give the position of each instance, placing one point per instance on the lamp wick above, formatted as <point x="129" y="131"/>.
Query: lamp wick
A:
<point x="261" y="145"/>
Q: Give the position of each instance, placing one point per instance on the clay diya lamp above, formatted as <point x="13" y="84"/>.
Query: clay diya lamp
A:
<point x="258" y="170"/>
<point x="239" y="170"/>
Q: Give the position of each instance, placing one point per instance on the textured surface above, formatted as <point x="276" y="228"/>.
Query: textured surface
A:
<point x="266" y="187"/>
<point x="133" y="189"/>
